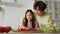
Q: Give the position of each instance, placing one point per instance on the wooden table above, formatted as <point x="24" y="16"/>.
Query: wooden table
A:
<point x="28" y="31"/>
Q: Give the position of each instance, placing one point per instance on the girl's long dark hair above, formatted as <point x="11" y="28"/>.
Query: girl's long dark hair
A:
<point x="33" y="19"/>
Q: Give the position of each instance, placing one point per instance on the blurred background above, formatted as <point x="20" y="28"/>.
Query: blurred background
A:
<point x="11" y="11"/>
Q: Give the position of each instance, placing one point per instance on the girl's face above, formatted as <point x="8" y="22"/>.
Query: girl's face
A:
<point x="29" y="16"/>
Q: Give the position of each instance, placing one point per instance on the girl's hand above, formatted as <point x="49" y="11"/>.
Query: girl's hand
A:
<point x="35" y="29"/>
<point x="24" y="29"/>
<point x="28" y="29"/>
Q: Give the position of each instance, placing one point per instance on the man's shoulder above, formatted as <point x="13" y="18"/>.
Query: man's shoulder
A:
<point x="48" y="14"/>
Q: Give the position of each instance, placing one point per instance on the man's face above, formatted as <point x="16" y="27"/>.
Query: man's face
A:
<point x="37" y="11"/>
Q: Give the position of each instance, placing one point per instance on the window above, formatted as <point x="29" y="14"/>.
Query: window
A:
<point x="1" y="14"/>
<point x="7" y="0"/>
<point x="57" y="10"/>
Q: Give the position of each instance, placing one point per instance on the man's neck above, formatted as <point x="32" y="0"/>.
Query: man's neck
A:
<point x="42" y="14"/>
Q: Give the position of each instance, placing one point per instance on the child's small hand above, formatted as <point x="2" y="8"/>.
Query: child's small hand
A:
<point x="25" y="29"/>
<point x="29" y="29"/>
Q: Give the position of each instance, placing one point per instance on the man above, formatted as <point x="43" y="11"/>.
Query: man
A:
<point x="44" y="19"/>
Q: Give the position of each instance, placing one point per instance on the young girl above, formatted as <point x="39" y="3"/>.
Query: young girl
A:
<point x="29" y="22"/>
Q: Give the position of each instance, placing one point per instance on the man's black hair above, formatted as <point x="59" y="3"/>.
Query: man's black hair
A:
<point x="40" y="4"/>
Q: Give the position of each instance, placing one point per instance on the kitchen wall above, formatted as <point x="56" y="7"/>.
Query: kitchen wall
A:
<point x="12" y="15"/>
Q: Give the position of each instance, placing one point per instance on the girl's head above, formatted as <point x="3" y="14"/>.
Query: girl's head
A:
<point x="29" y="16"/>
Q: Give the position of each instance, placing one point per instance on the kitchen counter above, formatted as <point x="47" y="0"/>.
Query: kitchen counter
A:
<point x="28" y="33"/>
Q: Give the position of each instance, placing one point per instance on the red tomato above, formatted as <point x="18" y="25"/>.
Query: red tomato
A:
<point x="8" y="29"/>
<point x="2" y="29"/>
